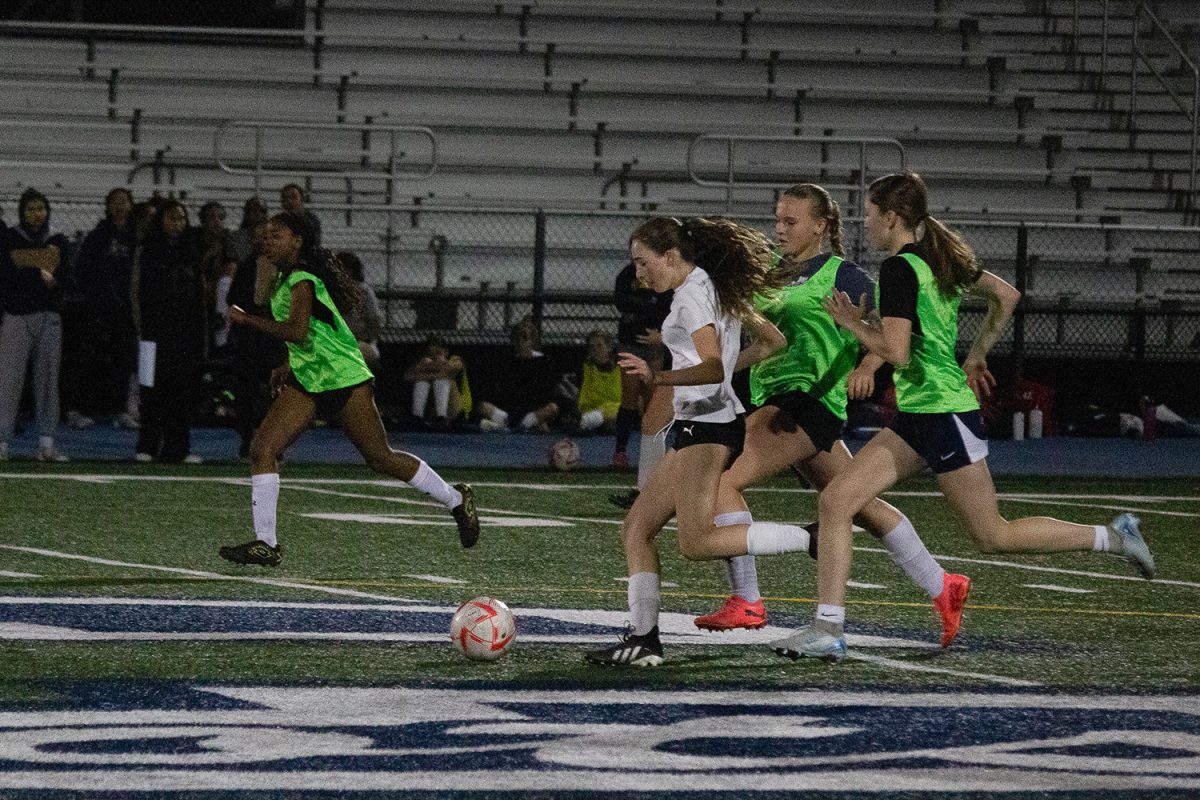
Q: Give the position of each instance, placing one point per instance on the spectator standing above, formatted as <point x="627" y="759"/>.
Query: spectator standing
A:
<point x="292" y="199"/>
<point x="171" y="302"/>
<point x="101" y="340"/>
<point x="241" y="244"/>
<point x="218" y="267"/>
<point x="31" y="255"/>
<point x="365" y="319"/>
<point x="525" y="387"/>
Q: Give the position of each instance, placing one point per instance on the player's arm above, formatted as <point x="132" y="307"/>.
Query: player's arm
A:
<point x="767" y="340"/>
<point x="889" y="342"/>
<point x="292" y="329"/>
<point x="1002" y="298"/>
<point x="709" y="370"/>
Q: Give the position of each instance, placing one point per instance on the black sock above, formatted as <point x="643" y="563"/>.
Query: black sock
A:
<point x="628" y="421"/>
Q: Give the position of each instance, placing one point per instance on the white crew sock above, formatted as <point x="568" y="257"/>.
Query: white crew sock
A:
<point x="429" y="482"/>
<point x="909" y="553"/>
<point x="741" y="571"/>
<point x="441" y="397"/>
<point x="420" y="398"/>
<point x="651" y="449"/>
<point x="831" y="615"/>
<point x="1102" y="543"/>
<point x="591" y="420"/>
<point x="528" y="421"/>
<point x="643" y="595"/>
<point x="769" y="538"/>
<point x="264" y="494"/>
<point x="499" y="416"/>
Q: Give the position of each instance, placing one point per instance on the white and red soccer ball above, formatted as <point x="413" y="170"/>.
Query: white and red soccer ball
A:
<point x="483" y="629"/>
<point x="564" y="454"/>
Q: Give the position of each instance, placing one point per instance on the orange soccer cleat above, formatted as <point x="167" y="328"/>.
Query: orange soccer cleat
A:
<point x="735" y="613"/>
<point x="949" y="604"/>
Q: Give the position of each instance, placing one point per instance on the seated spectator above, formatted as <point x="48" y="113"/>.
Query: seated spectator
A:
<point x="600" y="388"/>
<point x="255" y="353"/>
<point x="365" y="319"/>
<point x="443" y="376"/>
<point x="525" y="386"/>
<point x="100" y="350"/>
<point x="31" y="255"/>
<point x="171" y="303"/>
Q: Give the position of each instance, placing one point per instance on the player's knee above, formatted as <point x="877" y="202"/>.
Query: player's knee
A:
<point x="691" y="549"/>
<point x="833" y="502"/>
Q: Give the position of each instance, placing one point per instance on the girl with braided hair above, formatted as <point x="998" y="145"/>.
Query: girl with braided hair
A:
<point x="325" y="374"/>
<point x="939" y="426"/>
<point x="715" y="268"/>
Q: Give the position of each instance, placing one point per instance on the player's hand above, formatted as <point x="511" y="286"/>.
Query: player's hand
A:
<point x="860" y="384"/>
<point x="279" y="378"/>
<point x="979" y="377"/>
<point x="652" y="336"/>
<point x="843" y="311"/>
<point x="632" y="365"/>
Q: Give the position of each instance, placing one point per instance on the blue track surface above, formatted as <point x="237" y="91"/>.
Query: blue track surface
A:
<point x="1117" y="458"/>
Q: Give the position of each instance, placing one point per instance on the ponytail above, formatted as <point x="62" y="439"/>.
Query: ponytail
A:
<point x="950" y="257"/>
<point x="320" y="262"/>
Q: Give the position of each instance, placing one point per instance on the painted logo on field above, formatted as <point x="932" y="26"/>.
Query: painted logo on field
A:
<point x="183" y="738"/>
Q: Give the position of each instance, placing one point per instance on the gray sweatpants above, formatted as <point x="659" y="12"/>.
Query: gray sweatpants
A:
<point x="22" y="337"/>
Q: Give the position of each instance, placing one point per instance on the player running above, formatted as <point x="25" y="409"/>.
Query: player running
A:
<point x="939" y="425"/>
<point x="325" y="374"/>
<point x="801" y="394"/>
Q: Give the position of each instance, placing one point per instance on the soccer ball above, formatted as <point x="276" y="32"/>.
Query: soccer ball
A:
<point x="564" y="454"/>
<point x="483" y="629"/>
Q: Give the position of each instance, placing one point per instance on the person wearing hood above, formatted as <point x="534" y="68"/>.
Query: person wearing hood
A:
<point x="31" y="253"/>
<point x="101" y="341"/>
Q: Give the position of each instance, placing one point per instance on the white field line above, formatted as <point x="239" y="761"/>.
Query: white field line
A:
<point x="38" y="551"/>
<point x="1050" y="587"/>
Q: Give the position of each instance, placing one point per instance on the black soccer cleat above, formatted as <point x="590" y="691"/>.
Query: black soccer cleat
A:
<point x="255" y="551"/>
<point x="632" y="651"/>
<point x="624" y="500"/>
<point x="466" y="516"/>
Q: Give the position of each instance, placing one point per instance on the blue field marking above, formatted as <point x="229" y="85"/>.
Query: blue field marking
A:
<point x="495" y="738"/>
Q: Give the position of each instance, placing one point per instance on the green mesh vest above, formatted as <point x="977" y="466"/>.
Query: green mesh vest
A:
<point x="932" y="382"/>
<point x="819" y="355"/>
<point x="329" y="357"/>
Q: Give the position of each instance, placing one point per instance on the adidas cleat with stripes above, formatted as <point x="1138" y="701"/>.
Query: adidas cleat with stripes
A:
<point x="465" y="516"/>
<point x="255" y="551"/>
<point x="808" y="642"/>
<point x="1133" y="544"/>
<point x="632" y="651"/>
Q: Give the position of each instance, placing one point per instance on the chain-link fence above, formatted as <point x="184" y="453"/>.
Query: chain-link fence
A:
<point x="1090" y="291"/>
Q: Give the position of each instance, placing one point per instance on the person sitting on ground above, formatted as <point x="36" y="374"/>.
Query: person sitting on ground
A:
<point x="525" y="385"/>
<point x="600" y="389"/>
<point x="444" y="376"/>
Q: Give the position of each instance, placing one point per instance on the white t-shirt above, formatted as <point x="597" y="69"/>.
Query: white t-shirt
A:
<point x="693" y="307"/>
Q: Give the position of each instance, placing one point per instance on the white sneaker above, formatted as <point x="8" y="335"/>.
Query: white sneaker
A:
<point x="810" y="642"/>
<point x="51" y="454"/>
<point x="192" y="458"/>
<point x="143" y="458"/>
<point x="126" y="422"/>
<point x="488" y="426"/>
<point x="78" y="421"/>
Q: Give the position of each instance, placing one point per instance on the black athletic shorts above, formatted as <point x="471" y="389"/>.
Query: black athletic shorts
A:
<point x="946" y="441"/>
<point x="731" y="434"/>
<point x="799" y="409"/>
<point x="330" y="403"/>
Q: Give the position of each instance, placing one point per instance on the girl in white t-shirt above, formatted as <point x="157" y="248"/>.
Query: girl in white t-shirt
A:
<point x="715" y="268"/>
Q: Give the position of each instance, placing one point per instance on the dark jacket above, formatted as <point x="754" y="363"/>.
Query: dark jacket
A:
<point x="103" y="267"/>
<point x="640" y="308"/>
<point x="171" y="294"/>
<point x="22" y="290"/>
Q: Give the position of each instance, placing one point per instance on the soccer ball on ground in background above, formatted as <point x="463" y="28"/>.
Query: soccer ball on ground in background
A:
<point x="564" y="454"/>
<point x="483" y="629"/>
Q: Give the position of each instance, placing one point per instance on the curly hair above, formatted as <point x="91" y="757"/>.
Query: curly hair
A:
<point x="950" y="257"/>
<point x="320" y="262"/>
<point x="736" y="257"/>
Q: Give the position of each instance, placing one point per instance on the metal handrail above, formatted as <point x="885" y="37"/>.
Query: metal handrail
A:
<point x="392" y="174"/>
<point x="730" y="141"/>
<point x="1193" y="114"/>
